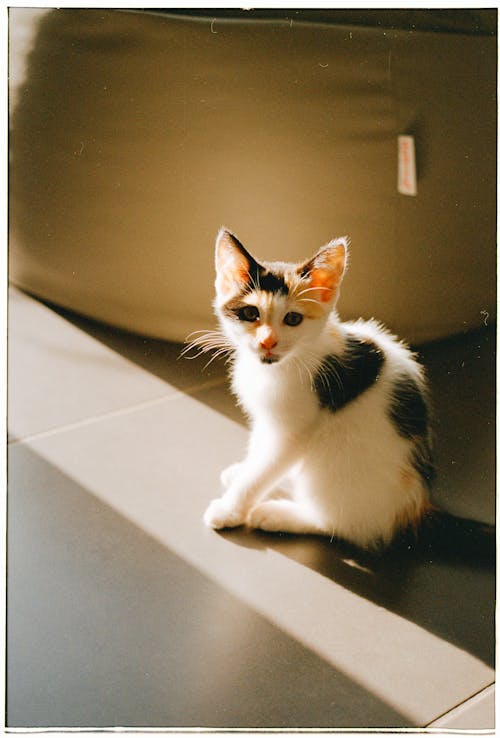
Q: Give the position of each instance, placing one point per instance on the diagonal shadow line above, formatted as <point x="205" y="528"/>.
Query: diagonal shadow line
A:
<point x="446" y="583"/>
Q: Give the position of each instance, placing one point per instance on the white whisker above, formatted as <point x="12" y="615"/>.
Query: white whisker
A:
<point x="304" y="290"/>
<point x="206" y="341"/>
<point x="307" y="299"/>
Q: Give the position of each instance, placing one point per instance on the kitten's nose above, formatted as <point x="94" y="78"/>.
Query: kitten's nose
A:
<point x="267" y="339"/>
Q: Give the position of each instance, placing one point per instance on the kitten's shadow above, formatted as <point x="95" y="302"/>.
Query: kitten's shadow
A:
<point x="443" y="581"/>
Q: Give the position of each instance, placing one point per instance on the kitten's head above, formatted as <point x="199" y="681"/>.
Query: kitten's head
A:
<point x="274" y="310"/>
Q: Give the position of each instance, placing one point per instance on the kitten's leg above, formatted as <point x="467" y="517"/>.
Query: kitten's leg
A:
<point x="228" y="475"/>
<point x="286" y="516"/>
<point x="256" y="476"/>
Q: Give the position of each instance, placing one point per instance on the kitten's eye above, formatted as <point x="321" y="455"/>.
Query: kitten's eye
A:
<point x="293" y="319"/>
<point x="249" y="313"/>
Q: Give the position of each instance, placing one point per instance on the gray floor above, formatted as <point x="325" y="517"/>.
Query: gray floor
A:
<point x="124" y="610"/>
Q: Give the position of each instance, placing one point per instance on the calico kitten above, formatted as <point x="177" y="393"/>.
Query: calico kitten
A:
<point x="337" y="408"/>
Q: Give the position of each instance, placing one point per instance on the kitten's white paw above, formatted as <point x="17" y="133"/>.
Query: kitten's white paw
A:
<point x="267" y="516"/>
<point x="219" y="515"/>
<point x="228" y="474"/>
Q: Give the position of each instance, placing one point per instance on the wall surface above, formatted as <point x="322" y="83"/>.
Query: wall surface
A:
<point x="135" y="136"/>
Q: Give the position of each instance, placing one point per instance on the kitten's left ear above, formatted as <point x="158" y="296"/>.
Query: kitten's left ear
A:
<point x="326" y="269"/>
<point x="232" y="262"/>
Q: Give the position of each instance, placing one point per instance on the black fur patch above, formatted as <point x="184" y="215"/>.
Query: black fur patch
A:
<point x="422" y="461"/>
<point x="408" y="409"/>
<point x="341" y="380"/>
<point x="267" y="281"/>
<point x="260" y="277"/>
<point x="409" y="412"/>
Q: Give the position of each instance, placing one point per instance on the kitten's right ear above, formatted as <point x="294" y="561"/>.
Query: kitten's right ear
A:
<point x="326" y="269"/>
<point x="232" y="263"/>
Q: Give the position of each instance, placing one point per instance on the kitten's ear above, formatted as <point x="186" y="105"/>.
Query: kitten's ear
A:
<point x="326" y="269"/>
<point x="232" y="262"/>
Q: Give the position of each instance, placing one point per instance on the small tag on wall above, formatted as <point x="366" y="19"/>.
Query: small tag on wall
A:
<point x="407" y="170"/>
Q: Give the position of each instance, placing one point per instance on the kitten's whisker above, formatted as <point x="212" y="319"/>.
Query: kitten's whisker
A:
<point x="206" y="341"/>
<point x="297" y="363"/>
<point x="307" y="299"/>
<point x="193" y="333"/>
<point x="253" y="283"/>
<point x="301" y="364"/>
<point x="207" y="336"/>
<point x="217" y="354"/>
<point x="311" y="289"/>
<point x="203" y="337"/>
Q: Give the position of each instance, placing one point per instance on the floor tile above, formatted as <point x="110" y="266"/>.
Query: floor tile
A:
<point x="184" y="370"/>
<point x="59" y="375"/>
<point x="478" y="713"/>
<point x="107" y="627"/>
<point x="160" y="358"/>
<point x="381" y="623"/>
<point x="123" y="484"/>
<point x="221" y="399"/>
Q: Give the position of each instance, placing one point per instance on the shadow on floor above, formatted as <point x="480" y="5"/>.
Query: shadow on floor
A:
<point x="163" y="359"/>
<point x="159" y="357"/>
<point x="444" y="583"/>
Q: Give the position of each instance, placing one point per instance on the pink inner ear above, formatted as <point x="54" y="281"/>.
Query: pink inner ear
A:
<point x="324" y="280"/>
<point x="232" y="267"/>
<point x="327" y="275"/>
<point x="227" y="280"/>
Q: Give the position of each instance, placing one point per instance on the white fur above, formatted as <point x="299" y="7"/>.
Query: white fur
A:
<point x="345" y="467"/>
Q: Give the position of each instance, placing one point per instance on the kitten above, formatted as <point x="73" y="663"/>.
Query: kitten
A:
<point x="338" y="408"/>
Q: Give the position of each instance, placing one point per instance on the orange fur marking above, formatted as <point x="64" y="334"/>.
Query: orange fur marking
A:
<point x="407" y="477"/>
<point x="325" y="281"/>
<point x="411" y="517"/>
<point x="327" y="269"/>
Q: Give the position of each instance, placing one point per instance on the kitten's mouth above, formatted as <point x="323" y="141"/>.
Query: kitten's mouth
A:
<point x="269" y="359"/>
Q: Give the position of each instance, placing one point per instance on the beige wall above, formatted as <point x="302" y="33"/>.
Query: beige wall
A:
<point x="134" y="137"/>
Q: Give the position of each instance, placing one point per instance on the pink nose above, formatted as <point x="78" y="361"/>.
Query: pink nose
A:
<point x="269" y="342"/>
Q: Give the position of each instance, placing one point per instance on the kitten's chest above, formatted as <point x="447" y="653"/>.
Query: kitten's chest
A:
<point x="284" y="395"/>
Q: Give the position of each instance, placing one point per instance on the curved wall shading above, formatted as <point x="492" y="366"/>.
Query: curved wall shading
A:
<point x="134" y="136"/>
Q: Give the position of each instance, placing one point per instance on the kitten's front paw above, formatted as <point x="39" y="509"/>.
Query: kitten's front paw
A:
<point x="228" y="474"/>
<point x="219" y="515"/>
<point x="266" y="516"/>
